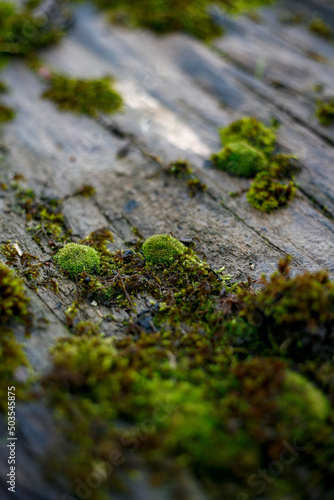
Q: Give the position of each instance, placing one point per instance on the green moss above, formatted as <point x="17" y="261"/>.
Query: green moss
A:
<point x="319" y="27"/>
<point x="297" y="314"/>
<point x="83" y="96"/>
<point x="240" y="159"/>
<point x="86" y="190"/>
<point x="7" y="114"/>
<point x="162" y="249"/>
<point x="43" y="215"/>
<point x="13" y="299"/>
<point x="191" y="16"/>
<point x="196" y="186"/>
<point x="284" y="166"/>
<point x="3" y="87"/>
<point x="74" y="259"/>
<point x="12" y="358"/>
<point x="168" y="395"/>
<point x="180" y="169"/>
<point x="267" y="194"/>
<point x="299" y="390"/>
<point x="325" y="111"/>
<point x="20" y="32"/>
<point x="163" y="17"/>
<point x="251" y="131"/>
<point x="84" y="328"/>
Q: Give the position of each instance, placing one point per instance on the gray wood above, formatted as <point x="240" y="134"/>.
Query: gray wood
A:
<point x="177" y="92"/>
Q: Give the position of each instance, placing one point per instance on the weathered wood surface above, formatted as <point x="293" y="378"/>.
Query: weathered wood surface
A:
<point x="177" y="92"/>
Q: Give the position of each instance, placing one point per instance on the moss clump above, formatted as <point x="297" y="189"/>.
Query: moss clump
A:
<point x="83" y="96"/>
<point x="325" y="111"/>
<point x="13" y="299"/>
<point x="297" y="315"/>
<point x="21" y="32"/>
<point x="163" y="249"/>
<point x="249" y="151"/>
<point x="249" y="130"/>
<point x="7" y="114"/>
<point x="319" y="27"/>
<point x="267" y="194"/>
<point x="240" y="159"/>
<point x="74" y="259"/>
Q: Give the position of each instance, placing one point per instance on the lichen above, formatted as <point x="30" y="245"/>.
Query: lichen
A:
<point x="75" y="258"/>
<point x="325" y="111"/>
<point x="251" y="131"/>
<point x="267" y="194"/>
<point x="83" y="96"/>
<point x="162" y="249"/>
<point x="240" y="159"/>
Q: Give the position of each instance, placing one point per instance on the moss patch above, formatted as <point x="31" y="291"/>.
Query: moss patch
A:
<point x="21" y="32"/>
<point x="12" y="360"/>
<point x="191" y="16"/>
<point x="319" y="27"/>
<point x="240" y="159"/>
<point x="83" y="96"/>
<point x="325" y="111"/>
<point x="297" y="314"/>
<point x="196" y="385"/>
<point x="267" y="194"/>
<point x="13" y="299"/>
<point x="251" y="150"/>
<point x="7" y="113"/>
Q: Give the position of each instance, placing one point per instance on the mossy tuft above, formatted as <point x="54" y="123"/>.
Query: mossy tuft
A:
<point x="83" y="96"/>
<point x="251" y="131"/>
<point x="74" y="259"/>
<point x="240" y="159"/>
<point x="163" y="249"/>
<point x="267" y="194"/>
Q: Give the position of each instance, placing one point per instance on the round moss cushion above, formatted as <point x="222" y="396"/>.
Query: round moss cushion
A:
<point x="162" y="249"/>
<point x="75" y="258"/>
